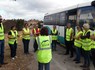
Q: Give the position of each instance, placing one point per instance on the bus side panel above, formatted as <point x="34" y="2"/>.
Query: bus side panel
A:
<point x="61" y="34"/>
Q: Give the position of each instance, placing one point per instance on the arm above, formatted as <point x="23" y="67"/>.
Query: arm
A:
<point x="86" y="36"/>
<point x="36" y="46"/>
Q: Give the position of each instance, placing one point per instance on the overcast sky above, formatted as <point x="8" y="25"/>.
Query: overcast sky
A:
<point x="33" y="9"/>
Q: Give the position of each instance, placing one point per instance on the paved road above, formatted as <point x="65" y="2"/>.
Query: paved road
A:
<point x="59" y="61"/>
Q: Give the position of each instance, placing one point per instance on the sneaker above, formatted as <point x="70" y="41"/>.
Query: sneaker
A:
<point x="13" y="58"/>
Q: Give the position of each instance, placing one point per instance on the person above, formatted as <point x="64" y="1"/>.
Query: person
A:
<point x="86" y="43"/>
<point x="35" y="32"/>
<point x="43" y="49"/>
<point x="69" y="40"/>
<point x="26" y="38"/>
<point x="93" y="48"/>
<point x="1" y="43"/>
<point x="12" y="41"/>
<point x="78" y="44"/>
<point x="54" y="34"/>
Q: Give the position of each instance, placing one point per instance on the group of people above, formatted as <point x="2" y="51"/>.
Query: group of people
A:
<point x="83" y="42"/>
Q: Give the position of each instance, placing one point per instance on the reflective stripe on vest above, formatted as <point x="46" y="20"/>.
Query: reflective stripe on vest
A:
<point x="44" y="54"/>
<point x="86" y="43"/>
<point x="78" y="43"/>
<point x="54" y="37"/>
<point x="12" y="40"/>
<point x="35" y="32"/>
<point x="1" y="32"/>
<point x="68" y="34"/>
<point x="26" y="31"/>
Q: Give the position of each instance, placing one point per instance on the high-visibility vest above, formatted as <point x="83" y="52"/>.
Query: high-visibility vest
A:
<point x="27" y="37"/>
<point x="35" y="32"/>
<point x="44" y="54"/>
<point x="86" y="43"/>
<point x="54" y="37"/>
<point x="93" y="43"/>
<point x="68" y="33"/>
<point x="78" y="43"/>
<point x="13" y="39"/>
<point x="1" y="32"/>
<point x="16" y="35"/>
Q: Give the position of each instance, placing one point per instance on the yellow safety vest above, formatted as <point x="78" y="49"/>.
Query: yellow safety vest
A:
<point x="44" y="54"/>
<point x="16" y="35"/>
<point x="1" y="32"/>
<point x="68" y="33"/>
<point x="13" y="39"/>
<point x="78" y="43"/>
<point x="27" y="37"/>
<point x="86" y="43"/>
<point x="54" y="37"/>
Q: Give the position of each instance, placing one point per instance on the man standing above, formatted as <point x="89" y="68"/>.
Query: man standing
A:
<point x="1" y="43"/>
<point x="69" y="40"/>
<point x="35" y="32"/>
<point x="54" y="37"/>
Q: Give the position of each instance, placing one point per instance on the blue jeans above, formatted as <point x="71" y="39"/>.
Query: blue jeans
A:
<point x="78" y="53"/>
<point x="42" y="65"/>
<point x="1" y="51"/>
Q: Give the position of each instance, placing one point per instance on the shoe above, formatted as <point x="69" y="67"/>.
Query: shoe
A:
<point x="13" y="58"/>
<point x="66" y="54"/>
<point x="83" y="66"/>
<point x="77" y="62"/>
<point x="71" y="56"/>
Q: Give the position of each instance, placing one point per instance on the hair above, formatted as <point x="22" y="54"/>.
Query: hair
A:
<point x="44" y="31"/>
<point x="86" y="25"/>
<point x="12" y="27"/>
<point x="25" y="24"/>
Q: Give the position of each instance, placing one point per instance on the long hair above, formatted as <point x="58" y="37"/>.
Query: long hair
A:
<point x="44" y="31"/>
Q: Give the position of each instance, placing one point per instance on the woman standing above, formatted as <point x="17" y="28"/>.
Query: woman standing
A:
<point x="43" y="49"/>
<point x="77" y="44"/>
<point x="26" y="38"/>
<point x="12" y="40"/>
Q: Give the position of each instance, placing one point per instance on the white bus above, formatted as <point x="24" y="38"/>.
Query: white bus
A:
<point x="76" y="15"/>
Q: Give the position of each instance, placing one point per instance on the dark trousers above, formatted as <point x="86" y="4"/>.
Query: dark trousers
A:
<point x="86" y="55"/>
<point x="54" y="44"/>
<point x="1" y="51"/>
<point x="35" y="45"/>
<point x="93" y="56"/>
<point x="43" y="66"/>
<point x="13" y="48"/>
<point x="78" y="53"/>
<point x="69" y="47"/>
<point x="26" y="46"/>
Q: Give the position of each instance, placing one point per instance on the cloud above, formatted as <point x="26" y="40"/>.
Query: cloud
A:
<point x="27" y="9"/>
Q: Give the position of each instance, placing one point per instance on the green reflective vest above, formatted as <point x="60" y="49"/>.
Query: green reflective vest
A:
<point x="54" y="37"/>
<point x="26" y="36"/>
<point x="68" y="34"/>
<point x="44" y="54"/>
<point x="14" y="37"/>
<point x="78" y="43"/>
<point x="86" y="43"/>
<point x="1" y="32"/>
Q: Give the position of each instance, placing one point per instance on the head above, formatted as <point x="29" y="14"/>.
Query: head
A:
<point x="68" y="25"/>
<point x="35" y="25"/>
<point x="0" y="19"/>
<point x="13" y="28"/>
<point x="54" y="27"/>
<point x="86" y="26"/>
<point x="79" y="28"/>
<point x="26" y="25"/>
<point x="44" y="31"/>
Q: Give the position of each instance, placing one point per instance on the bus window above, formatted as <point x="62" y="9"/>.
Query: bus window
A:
<point x="62" y="18"/>
<point x="87" y="15"/>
